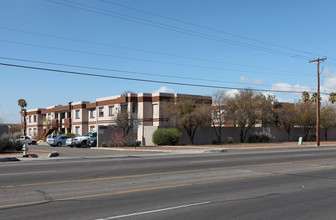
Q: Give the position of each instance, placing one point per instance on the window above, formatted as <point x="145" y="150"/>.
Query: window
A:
<point x="92" y="128"/>
<point x="77" y="130"/>
<point x="77" y="113"/>
<point x="101" y="112"/>
<point x="135" y="108"/>
<point x="110" y="110"/>
<point x="35" y="132"/>
<point x="29" y="132"/>
<point x="34" y="118"/>
<point x="92" y="113"/>
<point x="49" y="117"/>
<point x="56" y="115"/>
<point x="29" y="119"/>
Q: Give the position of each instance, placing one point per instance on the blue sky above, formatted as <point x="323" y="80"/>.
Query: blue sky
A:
<point x="260" y="44"/>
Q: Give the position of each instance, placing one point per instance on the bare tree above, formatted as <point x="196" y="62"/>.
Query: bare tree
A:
<point x="286" y="117"/>
<point x="124" y="120"/>
<point x="246" y="109"/>
<point x="305" y="113"/>
<point x="328" y="118"/>
<point x="188" y="114"/>
<point x="219" y="113"/>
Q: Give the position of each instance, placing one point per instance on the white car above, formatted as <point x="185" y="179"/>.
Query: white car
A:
<point x="82" y="141"/>
<point x="26" y="140"/>
<point x="70" y="142"/>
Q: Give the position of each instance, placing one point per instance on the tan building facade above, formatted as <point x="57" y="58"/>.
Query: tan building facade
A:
<point x="83" y="116"/>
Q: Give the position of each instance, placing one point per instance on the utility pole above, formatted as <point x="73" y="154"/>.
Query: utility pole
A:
<point x="318" y="60"/>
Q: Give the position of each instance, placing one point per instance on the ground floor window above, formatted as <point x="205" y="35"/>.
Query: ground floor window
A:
<point x="77" y="130"/>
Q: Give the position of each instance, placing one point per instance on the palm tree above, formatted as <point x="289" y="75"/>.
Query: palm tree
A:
<point x="314" y="97"/>
<point x="305" y="96"/>
<point x="332" y="97"/>
<point x="22" y="103"/>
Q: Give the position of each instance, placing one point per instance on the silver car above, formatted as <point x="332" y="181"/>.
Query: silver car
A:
<point x="70" y="141"/>
<point x="57" y="141"/>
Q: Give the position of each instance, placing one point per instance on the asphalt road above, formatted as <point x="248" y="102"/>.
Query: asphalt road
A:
<point x="254" y="185"/>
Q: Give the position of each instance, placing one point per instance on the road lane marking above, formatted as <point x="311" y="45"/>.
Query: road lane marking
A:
<point x="159" y="187"/>
<point x="47" y="171"/>
<point x="156" y="210"/>
<point x="160" y="173"/>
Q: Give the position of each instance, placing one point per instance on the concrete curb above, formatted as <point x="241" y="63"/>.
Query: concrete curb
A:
<point x="165" y="152"/>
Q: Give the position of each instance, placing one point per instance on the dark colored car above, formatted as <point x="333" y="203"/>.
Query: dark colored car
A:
<point x="92" y="142"/>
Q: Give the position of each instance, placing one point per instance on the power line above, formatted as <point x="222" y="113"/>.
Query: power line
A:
<point x="181" y="30"/>
<point x="142" y="50"/>
<point x="140" y="80"/>
<point x="209" y="28"/>
<point x="124" y="71"/>
<point x="138" y="59"/>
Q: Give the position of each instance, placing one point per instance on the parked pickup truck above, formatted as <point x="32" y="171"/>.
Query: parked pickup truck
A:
<point x="26" y="140"/>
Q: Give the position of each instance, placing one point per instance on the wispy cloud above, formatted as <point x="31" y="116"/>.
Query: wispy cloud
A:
<point x="289" y="87"/>
<point x="257" y="81"/>
<point x="243" y="79"/>
<point x="164" y="89"/>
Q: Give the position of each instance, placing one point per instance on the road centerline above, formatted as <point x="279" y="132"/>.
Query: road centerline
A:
<point x="159" y="173"/>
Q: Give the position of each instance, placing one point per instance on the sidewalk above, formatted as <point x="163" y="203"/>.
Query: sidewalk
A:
<point x="105" y="152"/>
<point x="244" y="146"/>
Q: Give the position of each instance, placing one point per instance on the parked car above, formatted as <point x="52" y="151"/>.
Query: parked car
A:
<point x="26" y="140"/>
<point x="82" y="141"/>
<point x="49" y="137"/>
<point x="69" y="141"/>
<point x="57" y="141"/>
<point x="92" y="142"/>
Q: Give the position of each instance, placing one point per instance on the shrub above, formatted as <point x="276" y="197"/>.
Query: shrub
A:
<point x="259" y="137"/>
<point x="70" y="134"/>
<point x="8" y="143"/>
<point x="166" y="136"/>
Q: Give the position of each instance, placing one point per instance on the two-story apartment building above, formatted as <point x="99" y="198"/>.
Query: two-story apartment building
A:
<point x="83" y="116"/>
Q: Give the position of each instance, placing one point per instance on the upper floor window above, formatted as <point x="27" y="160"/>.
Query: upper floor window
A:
<point x="92" y="113"/>
<point x="49" y="116"/>
<point x="77" y="113"/>
<point x="110" y="110"/>
<point x="29" y="119"/>
<point x="34" y="118"/>
<point x="101" y="112"/>
<point x="135" y="108"/>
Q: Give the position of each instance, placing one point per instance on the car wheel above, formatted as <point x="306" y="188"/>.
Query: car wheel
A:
<point x="59" y="144"/>
<point x="34" y="142"/>
<point x="84" y="144"/>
